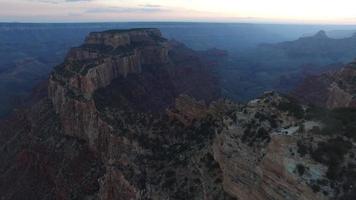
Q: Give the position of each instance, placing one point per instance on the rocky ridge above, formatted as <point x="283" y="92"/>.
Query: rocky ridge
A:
<point x="334" y="89"/>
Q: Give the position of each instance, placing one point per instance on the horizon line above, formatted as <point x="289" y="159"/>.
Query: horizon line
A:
<point x="175" y="21"/>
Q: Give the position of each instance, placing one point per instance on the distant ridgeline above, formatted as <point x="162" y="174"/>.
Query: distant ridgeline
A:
<point x="28" y="52"/>
<point x="283" y="66"/>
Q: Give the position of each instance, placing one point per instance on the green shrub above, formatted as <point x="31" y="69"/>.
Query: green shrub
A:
<point x="292" y="107"/>
<point x="332" y="153"/>
<point x="302" y="148"/>
<point x="300" y="169"/>
<point x="341" y="121"/>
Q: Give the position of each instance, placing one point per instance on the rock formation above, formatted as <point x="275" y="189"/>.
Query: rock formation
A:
<point x="335" y="89"/>
<point x="113" y="55"/>
<point x="130" y="115"/>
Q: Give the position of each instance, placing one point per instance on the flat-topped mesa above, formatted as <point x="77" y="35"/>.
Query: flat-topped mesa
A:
<point x="106" y="55"/>
<point x="102" y="58"/>
<point x="116" y="38"/>
<point x="149" y="71"/>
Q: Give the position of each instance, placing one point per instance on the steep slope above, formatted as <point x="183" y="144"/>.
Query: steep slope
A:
<point x="334" y="89"/>
<point x="39" y="162"/>
<point x="130" y="115"/>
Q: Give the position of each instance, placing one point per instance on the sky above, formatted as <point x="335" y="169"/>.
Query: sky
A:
<point x="269" y="11"/>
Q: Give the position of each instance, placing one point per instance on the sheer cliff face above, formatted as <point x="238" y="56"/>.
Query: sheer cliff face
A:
<point x="130" y="115"/>
<point x="130" y="56"/>
<point x="102" y="58"/>
<point x="331" y="89"/>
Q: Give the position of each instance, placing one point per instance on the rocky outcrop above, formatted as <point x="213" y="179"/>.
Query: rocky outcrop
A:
<point x="111" y="55"/>
<point x="338" y="98"/>
<point x="103" y="57"/>
<point x="272" y="151"/>
<point x="331" y="89"/>
<point x="256" y="155"/>
<point x="96" y="63"/>
<point x="187" y="110"/>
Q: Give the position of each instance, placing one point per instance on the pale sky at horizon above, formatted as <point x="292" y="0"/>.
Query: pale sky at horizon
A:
<point x="279" y="11"/>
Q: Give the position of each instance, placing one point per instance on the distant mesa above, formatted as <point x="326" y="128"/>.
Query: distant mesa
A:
<point x="321" y="34"/>
<point x="144" y="71"/>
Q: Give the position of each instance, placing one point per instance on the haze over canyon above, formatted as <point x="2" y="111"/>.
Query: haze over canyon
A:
<point x="177" y="100"/>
